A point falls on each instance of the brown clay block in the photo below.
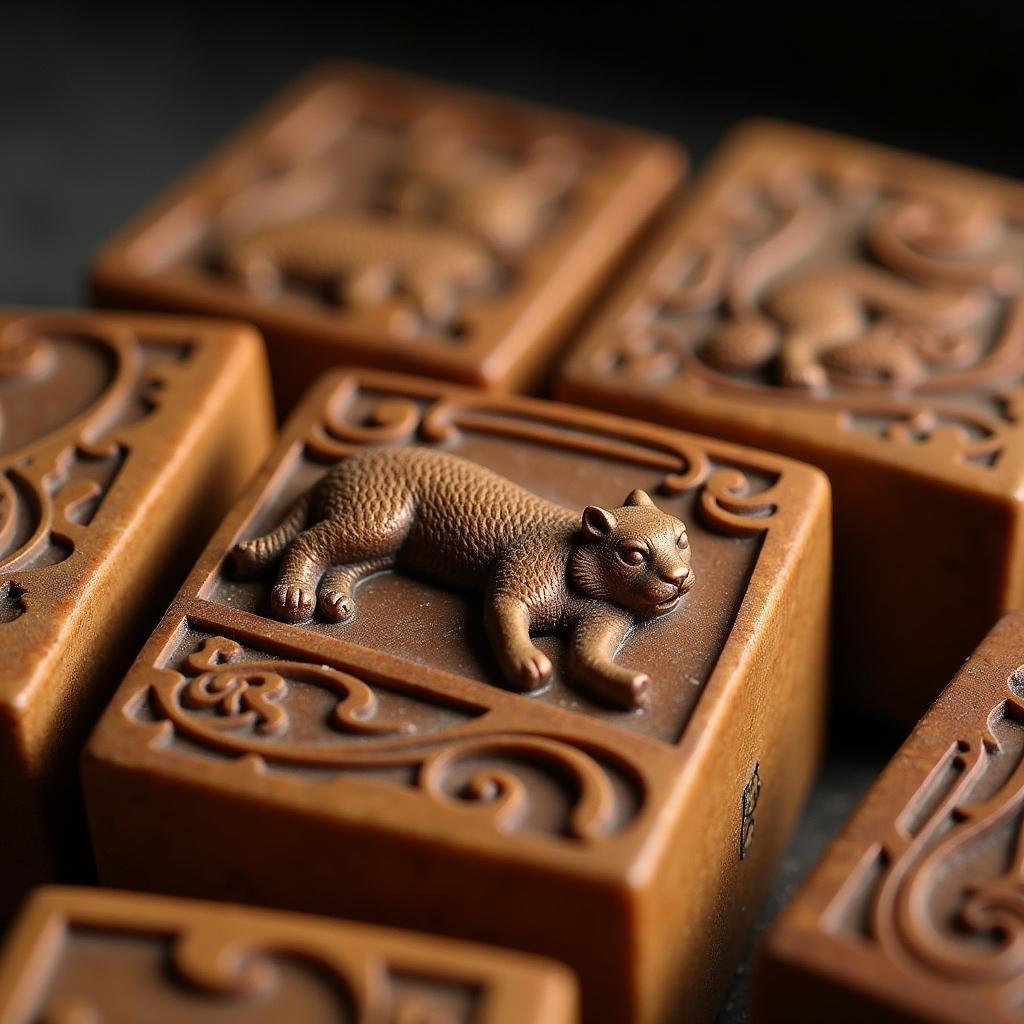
(123, 440)
(378, 219)
(860, 309)
(82, 955)
(415, 764)
(914, 914)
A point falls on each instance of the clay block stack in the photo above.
(454, 666)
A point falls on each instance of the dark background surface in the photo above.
(103, 106)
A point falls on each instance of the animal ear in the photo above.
(597, 522)
(639, 497)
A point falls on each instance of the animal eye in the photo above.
(631, 556)
(682, 542)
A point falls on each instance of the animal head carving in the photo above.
(636, 556)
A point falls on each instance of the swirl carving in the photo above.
(730, 501)
(878, 302)
(205, 961)
(237, 705)
(52, 482)
(248, 694)
(950, 901)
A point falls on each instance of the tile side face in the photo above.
(915, 908)
(396, 737)
(370, 218)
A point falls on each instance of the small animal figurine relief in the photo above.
(839, 286)
(827, 338)
(365, 261)
(541, 568)
(431, 224)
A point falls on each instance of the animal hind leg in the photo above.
(256, 272)
(250, 556)
(800, 366)
(368, 286)
(341, 541)
(434, 297)
(335, 595)
(294, 594)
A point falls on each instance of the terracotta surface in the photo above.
(381, 768)
(377, 219)
(122, 442)
(914, 914)
(862, 310)
(81, 955)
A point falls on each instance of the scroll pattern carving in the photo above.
(949, 900)
(531, 777)
(51, 485)
(206, 962)
(730, 501)
(881, 302)
(237, 705)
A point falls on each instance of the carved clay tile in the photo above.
(916, 912)
(860, 309)
(123, 439)
(352, 739)
(371, 218)
(85, 956)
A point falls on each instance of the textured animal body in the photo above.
(828, 316)
(854, 325)
(541, 567)
(366, 260)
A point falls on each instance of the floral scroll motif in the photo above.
(246, 969)
(879, 303)
(730, 500)
(51, 484)
(236, 705)
(950, 898)
(204, 962)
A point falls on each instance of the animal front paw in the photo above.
(260, 276)
(336, 606)
(531, 669)
(807, 376)
(291, 603)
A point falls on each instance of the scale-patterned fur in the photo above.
(540, 567)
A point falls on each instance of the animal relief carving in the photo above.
(799, 281)
(827, 336)
(365, 261)
(433, 220)
(541, 568)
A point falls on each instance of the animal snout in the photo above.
(679, 576)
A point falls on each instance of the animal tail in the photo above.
(250, 556)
